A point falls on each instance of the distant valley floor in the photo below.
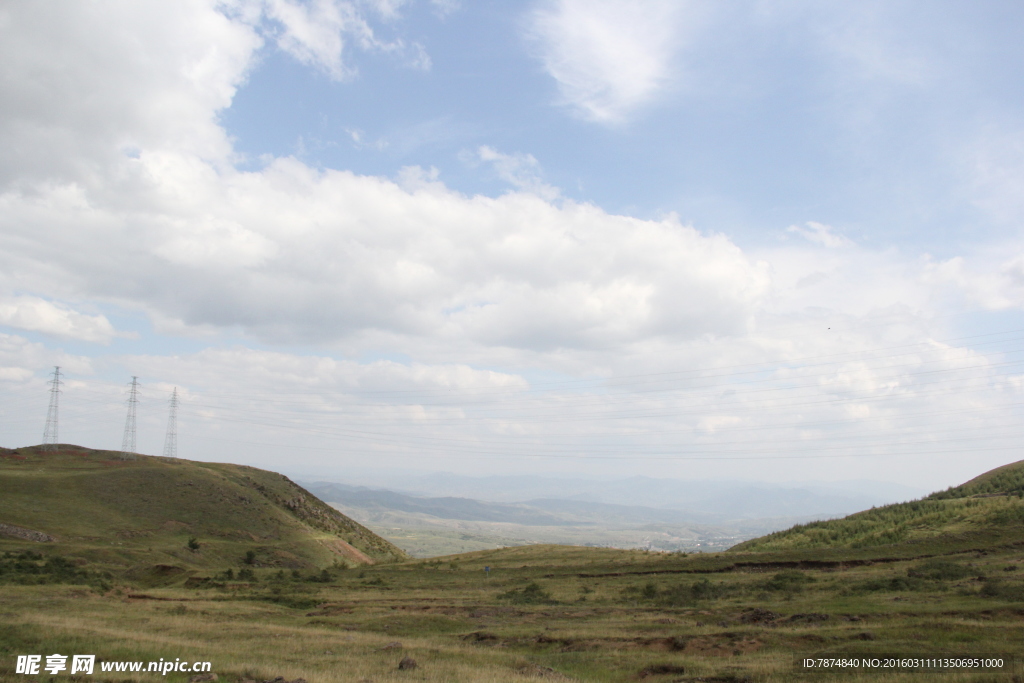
(424, 536)
(432, 527)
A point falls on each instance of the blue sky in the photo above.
(770, 240)
(763, 119)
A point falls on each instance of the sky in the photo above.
(768, 240)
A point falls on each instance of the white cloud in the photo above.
(819, 233)
(329, 255)
(83, 83)
(316, 32)
(29, 362)
(520, 170)
(609, 56)
(991, 281)
(38, 315)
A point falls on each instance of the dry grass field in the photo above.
(540, 613)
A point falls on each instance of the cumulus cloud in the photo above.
(609, 56)
(325, 255)
(83, 84)
(38, 315)
(28, 363)
(292, 253)
(994, 281)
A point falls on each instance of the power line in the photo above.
(128, 449)
(50, 437)
(171, 438)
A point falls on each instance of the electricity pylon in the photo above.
(171, 439)
(128, 450)
(50, 431)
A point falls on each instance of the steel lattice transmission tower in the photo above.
(128, 450)
(50, 431)
(171, 439)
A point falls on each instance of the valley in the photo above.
(280, 605)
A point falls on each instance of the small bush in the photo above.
(530, 594)
(1004, 591)
(896, 583)
(31, 568)
(193, 543)
(682, 594)
(293, 601)
(941, 570)
(789, 581)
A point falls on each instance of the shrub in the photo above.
(1002, 590)
(28, 568)
(789, 581)
(940, 570)
(530, 594)
(896, 583)
(682, 594)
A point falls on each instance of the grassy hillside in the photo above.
(988, 510)
(128, 515)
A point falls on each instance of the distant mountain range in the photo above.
(693, 516)
(552, 501)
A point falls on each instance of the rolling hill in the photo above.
(151, 511)
(984, 512)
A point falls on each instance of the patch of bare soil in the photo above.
(340, 547)
(538, 671)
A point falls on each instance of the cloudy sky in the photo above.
(767, 240)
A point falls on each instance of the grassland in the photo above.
(988, 510)
(543, 613)
(133, 515)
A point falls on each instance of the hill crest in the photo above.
(167, 510)
(987, 510)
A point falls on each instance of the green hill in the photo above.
(170, 516)
(988, 510)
